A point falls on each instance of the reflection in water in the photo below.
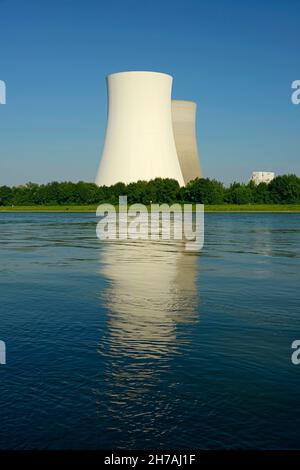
(150, 295)
(151, 288)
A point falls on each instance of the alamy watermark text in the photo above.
(295, 97)
(2, 92)
(157, 222)
(2, 353)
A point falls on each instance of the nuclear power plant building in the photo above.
(147, 135)
(184, 128)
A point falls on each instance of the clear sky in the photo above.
(237, 59)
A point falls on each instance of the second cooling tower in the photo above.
(139, 142)
(184, 127)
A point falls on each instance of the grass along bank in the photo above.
(208, 208)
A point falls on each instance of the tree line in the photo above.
(283, 189)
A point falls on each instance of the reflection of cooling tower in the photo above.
(151, 289)
(184, 127)
(139, 142)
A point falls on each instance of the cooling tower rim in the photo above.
(137, 72)
(184, 101)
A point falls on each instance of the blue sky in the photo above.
(236, 59)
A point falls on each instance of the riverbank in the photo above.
(208, 208)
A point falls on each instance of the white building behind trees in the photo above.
(262, 177)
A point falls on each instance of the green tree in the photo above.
(205, 191)
(5, 195)
(240, 193)
(85, 193)
(285, 189)
(163, 190)
(138, 193)
(261, 194)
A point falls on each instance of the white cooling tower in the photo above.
(184, 127)
(139, 142)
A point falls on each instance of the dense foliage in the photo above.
(282, 190)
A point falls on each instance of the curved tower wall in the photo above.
(139, 142)
(184, 127)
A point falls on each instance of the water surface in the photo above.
(143, 345)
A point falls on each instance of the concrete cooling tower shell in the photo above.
(184, 127)
(139, 142)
